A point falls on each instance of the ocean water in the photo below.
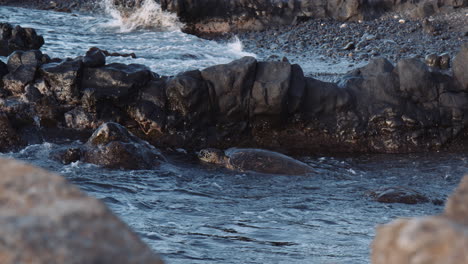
(191, 212)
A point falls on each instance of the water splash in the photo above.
(148, 15)
(236, 47)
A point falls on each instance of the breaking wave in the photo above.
(147, 15)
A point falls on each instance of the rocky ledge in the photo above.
(433, 239)
(45, 219)
(380, 107)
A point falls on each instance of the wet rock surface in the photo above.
(432, 239)
(380, 107)
(112, 146)
(46, 219)
(398, 194)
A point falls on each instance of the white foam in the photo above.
(237, 48)
(147, 16)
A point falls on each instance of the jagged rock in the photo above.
(115, 80)
(45, 219)
(112, 146)
(398, 194)
(229, 87)
(460, 67)
(18, 38)
(22, 67)
(63, 79)
(270, 89)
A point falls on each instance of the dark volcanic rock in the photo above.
(63, 79)
(115, 80)
(44, 219)
(270, 89)
(80, 119)
(9, 138)
(398, 194)
(94, 58)
(22, 67)
(18, 38)
(188, 97)
(66, 156)
(296, 89)
(230, 86)
(415, 81)
(112, 146)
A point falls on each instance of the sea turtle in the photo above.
(258, 160)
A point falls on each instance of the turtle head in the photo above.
(211, 155)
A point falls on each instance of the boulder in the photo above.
(22, 67)
(115, 80)
(460, 67)
(112, 146)
(229, 87)
(18, 38)
(270, 90)
(94, 58)
(188, 97)
(63, 79)
(45, 219)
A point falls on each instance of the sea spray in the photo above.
(148, 15)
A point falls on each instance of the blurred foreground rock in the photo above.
(428, 240)
(44, 219)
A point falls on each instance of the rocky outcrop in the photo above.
(112, 146)
(433, 239)
(14, 38)
(380, 107)
(44, 219)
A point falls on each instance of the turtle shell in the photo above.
(265, 161)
